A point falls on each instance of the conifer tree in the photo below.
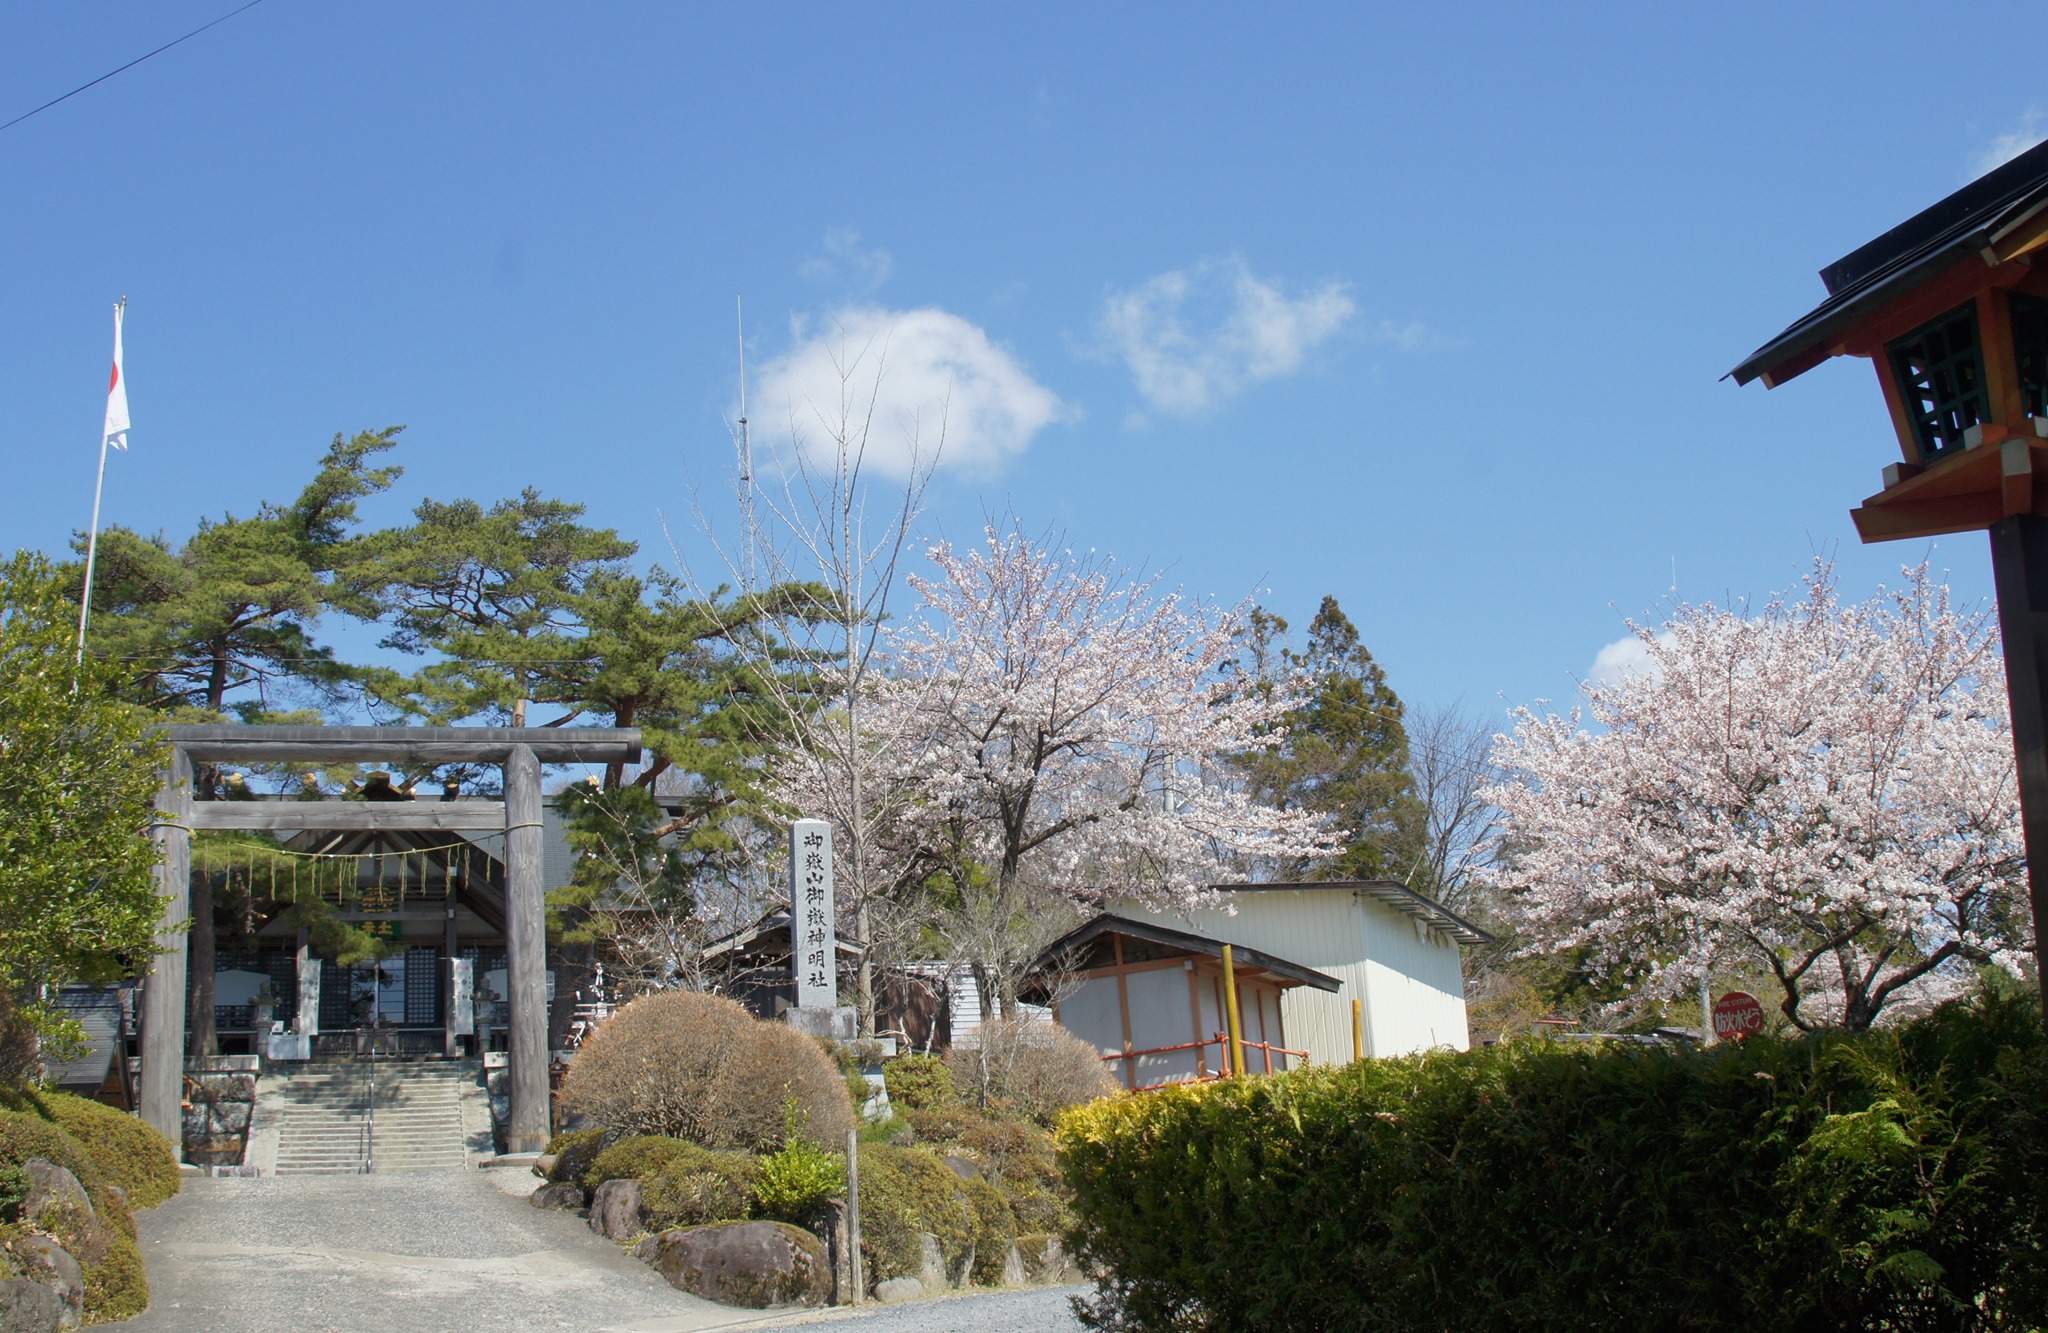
(1345, 755)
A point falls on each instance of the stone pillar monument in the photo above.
(813, 935)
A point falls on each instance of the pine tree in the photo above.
(1346, 751)
(223, 622)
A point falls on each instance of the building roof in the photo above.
(763, 936)
(1391, 892)
(1972, 221)
(1110, 924)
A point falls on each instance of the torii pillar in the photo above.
(162, 1094)
(525, 954)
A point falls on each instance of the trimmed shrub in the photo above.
(699, 1067)
(918, 1083)
(642, 1157)
(1029, 1067)
(701, 1186)
(128, 1152)
(995, 1226)
(573, 1153)
(796, 1179)
(1889, 1181)
(104, 1242)
(904, 1191)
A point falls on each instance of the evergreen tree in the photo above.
(224, 621)
(1346, 751)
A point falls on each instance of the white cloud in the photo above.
(901, 381)
(845, 261)
(1195, 337)
(1623, 659)
(2033, 128)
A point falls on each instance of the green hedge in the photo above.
(103, 1148)
(1894, 1181)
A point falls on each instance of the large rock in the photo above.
(896, 1290)
(618, 1211)
(50, 1264)
(565, 1196)
(756, 1264)
(1046, 1261)
(51, 1187)
(931, 1262)
(962, 1167)
(1013, 1267)
(27, 1306)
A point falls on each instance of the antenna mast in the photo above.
(745, 442)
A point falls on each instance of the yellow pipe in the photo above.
(1358, 1029)
(1230, 1007)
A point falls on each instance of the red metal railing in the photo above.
(1222, 1043)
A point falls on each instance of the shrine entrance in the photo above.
(467, 927)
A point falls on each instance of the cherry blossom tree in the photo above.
(1066, 727)
(1821, 793)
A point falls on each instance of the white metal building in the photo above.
(1386, 945)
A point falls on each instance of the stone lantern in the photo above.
(1951, 308)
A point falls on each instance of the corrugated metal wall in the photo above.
(1411, 982)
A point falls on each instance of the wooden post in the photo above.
(860, 1284)
(2019, 565)
(163, 995)
(1230, 1009)
(1357, 1029)
(525, 954)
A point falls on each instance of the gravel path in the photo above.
(414, 1253)
(1044, 1311)
(457, 1252)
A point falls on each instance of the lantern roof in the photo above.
(1980, 219)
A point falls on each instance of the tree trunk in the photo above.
(205, 1036)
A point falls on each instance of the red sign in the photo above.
(1737, 1015)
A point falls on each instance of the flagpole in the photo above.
(92, 540)
(92, 550)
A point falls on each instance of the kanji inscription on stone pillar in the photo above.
(812, 943)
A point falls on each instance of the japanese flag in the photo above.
(116, 432)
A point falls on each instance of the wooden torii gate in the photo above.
(520, 750)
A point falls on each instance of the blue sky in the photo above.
(1423, 306)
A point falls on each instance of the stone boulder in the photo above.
(45, 1261)
(931, 1262)
(27, 1306)
(756, 1264)
(618, 1211)
(962, 1167)
(1046, 1261)
(51, 1187)
(1013, 1268)
(896, 1290)
(563, 1196)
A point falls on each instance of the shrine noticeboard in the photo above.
(812, 946)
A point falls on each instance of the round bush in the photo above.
(918, 1083)
(1030, 1067)
(128, 1152)
(699, 1067)
(642, 1157)
(794, 1181)
(701, 1186)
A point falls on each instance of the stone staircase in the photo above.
(329, 1125)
